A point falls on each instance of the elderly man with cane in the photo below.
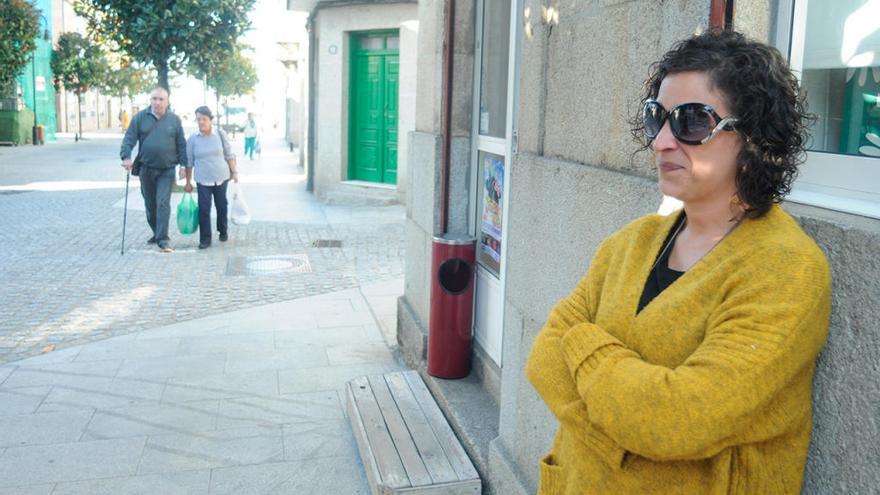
(161, 145)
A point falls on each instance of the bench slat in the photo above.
(427, 443)
(380, 448)
(458, 458)
(406, 449)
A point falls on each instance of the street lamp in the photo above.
(46, 37)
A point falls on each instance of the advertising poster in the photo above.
(490, 224)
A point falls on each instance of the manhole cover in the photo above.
(327, 243)
(268, 265)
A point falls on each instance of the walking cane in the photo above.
(125, 212)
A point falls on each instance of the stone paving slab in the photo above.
(28, 490)
(334, 377)
(105, 394)
(303, 356)
(153, 419)
(93, 373)
(329, 336)
(330, 475)
(74, 461)
(23, 400)
(222, 448)
(317, 439)
(221, 386)
(279, 410)
(185, 483)
(43, 428)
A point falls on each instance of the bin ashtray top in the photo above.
(455, 239)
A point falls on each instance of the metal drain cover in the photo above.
(268, 265)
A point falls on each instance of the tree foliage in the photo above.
(126, 80)
(78, 64)
(234, 76)
(19, 28)
(168, 34)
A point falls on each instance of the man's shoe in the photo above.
(151, 240)
(165, 247)
(204, 245)
(224, 237)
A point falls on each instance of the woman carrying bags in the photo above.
(209, 153)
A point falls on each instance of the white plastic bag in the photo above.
(239, 213)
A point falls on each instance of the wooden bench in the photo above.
(406, 445)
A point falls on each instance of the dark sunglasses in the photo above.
(690, 123)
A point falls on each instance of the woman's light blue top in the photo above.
(208, 156)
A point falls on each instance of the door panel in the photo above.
(392, 76)
(368, 119)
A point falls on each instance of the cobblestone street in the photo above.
(64, 281)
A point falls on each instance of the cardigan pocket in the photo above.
(552, 480)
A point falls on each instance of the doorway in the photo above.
(493, 138)
(373, 115)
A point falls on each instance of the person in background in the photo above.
(123, 119)
(162, 146)
(682, 363)
(250, 136)
(211, 160)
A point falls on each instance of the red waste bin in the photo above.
(452, 306)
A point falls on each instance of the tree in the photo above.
(126, 80)
(167, 33)
(235, 75)
(19, 28)
(78, 66)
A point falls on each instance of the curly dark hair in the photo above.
(759, 88)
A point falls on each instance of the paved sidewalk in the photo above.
(62, 269)
(215, 371)
(244, 402)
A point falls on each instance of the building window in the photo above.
(834, 46)
(493, 70)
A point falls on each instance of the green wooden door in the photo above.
(373, 108)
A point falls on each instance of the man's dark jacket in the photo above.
(165, 147)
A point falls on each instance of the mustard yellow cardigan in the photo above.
(708, 389)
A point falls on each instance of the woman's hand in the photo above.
(234, 176)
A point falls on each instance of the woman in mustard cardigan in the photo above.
(682, 363)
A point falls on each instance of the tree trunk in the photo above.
(162, 70)
(218, 108)
(79, 116)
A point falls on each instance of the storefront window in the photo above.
(834, 47)
(841, 75)
(493, 70)
(491, 187)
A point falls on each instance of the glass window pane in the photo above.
(841, 76)
(371, 43)
(489, 202)
(493, 70)
(393, 42)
